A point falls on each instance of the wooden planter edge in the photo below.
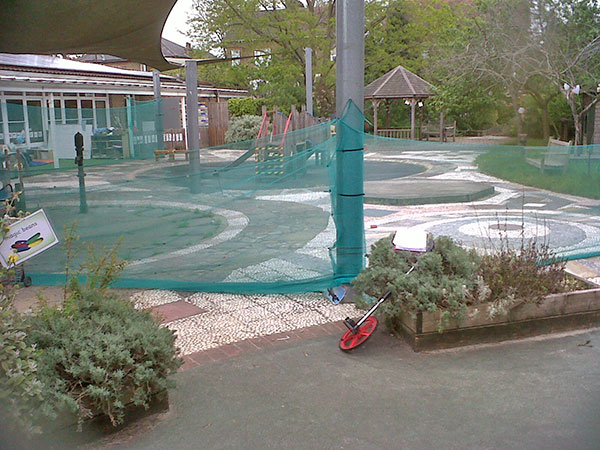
(558, 313)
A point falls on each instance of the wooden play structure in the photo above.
(280, 147)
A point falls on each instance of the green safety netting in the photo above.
(277, 214)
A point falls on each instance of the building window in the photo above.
(16, 121)
(71, 111)
(235, 53)
(58, 112)
(34, 116)
(87, 112)
(259, 59)
(101, 114)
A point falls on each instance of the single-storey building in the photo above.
(38, 92)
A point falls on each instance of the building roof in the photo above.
(115, 27)
(170, 50)
(398, 83)
(53, 74)
(53, 63)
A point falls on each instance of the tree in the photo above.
(498, 51)
(286, 27)
(569, 36)
(542, 94)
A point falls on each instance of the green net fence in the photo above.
(284, 213)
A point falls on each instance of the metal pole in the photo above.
(79, 160)
(350, 139)
(130, 121)
(309, 80)
(158, 121)
(193, 128)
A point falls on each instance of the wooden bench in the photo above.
(430, 130)
(551, 160)
(433, 130)
(170, 153)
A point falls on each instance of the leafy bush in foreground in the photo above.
(441, 281)
(20, 388)
(98, 354)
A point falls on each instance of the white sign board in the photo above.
(411, 240)
(27, 238)
(62, 140)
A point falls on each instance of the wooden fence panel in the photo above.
(218, 122)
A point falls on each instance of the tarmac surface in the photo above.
(532, 394)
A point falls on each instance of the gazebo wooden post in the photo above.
(375, 106)
(442, 126)
(413, 105)
(421, 122)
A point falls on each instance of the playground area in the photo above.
(237, 230)
(248, 231)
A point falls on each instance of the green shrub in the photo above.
(440, 280)
(248, 106)
(98, 354)
(20, 388)
(243, 128)
(449, 279)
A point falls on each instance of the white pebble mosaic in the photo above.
(229, 318)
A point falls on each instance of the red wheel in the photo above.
(350, 340)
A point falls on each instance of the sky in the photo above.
(176, 22)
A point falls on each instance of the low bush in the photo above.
(441, 280)
(98, 355)
(449, 278)
(20, 387)
(243, 128)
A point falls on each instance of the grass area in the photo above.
(509, 164)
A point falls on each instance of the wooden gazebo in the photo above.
(399, 84)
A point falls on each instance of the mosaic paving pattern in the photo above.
(515, 213)
(228, 318)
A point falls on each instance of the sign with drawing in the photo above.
(27, 238)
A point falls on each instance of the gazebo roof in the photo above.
(398, 83)
(116, 27)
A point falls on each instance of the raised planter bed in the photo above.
(557, 313)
